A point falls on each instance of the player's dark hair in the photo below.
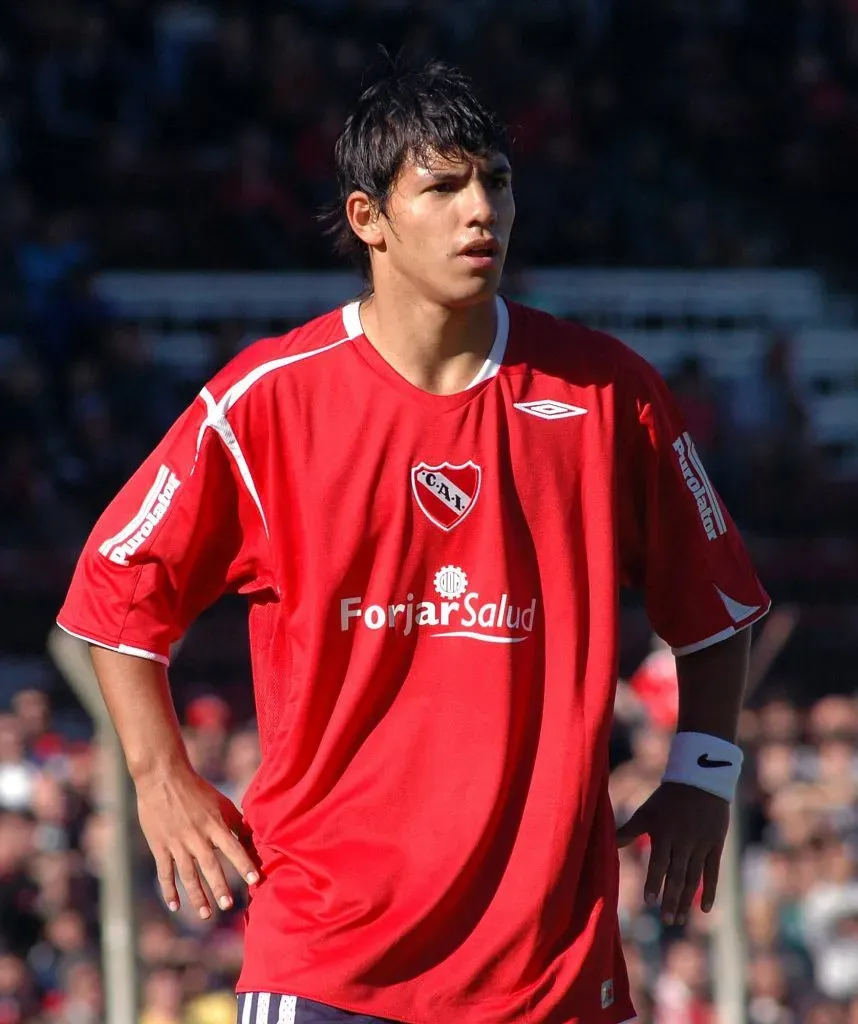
(407, 114)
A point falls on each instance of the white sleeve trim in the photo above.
(216, 419)
(716, 638)
(135, 652)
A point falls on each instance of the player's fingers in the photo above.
(692, 881)
(212, 872)
(167, 878)
(711, 870)
(190, 879)
(236, 854)
(659, 861)
(233, 817)
(674, 883)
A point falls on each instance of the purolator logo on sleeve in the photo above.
(462, 613)
(697, 481)
(121, 548)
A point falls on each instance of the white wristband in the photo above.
(706, 762)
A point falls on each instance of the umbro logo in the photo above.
(548, 409)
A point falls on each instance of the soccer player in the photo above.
(430, 499)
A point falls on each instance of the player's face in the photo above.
(447, 228)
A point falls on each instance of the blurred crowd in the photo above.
(198, 133)
(798, 826)
(798, 829)
(79, 413)
(56, 833)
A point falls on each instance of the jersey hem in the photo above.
(135, 652)
(363, 1011)
(724, 634)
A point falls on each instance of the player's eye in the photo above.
(499, 182)
(442, 186)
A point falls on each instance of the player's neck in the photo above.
(436, 349)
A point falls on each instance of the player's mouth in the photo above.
(481, 253)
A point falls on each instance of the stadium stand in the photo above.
(155, 154)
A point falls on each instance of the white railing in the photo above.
(724, 316)
(621, 297)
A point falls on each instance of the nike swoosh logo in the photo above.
(705, 762)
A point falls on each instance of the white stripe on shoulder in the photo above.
(216, 419)
(242, 386)
(217, 410)
(262, 1007)
(248, 1004)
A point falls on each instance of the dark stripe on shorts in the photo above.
(265, 1008)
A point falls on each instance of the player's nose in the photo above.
(482, 205)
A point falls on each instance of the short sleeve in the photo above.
(678, 542)
(179, 534)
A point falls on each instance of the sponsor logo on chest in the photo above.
(462, 613)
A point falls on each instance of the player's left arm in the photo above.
(679, 544)
(688, 825)
(712, 687)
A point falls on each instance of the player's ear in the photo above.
(364, 217)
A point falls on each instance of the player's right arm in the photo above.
(183, 817)
(182, 531)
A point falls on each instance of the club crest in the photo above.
(446, 493)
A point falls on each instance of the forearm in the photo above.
(712, 687)
(137, 694)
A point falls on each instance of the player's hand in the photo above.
(687, 828)
(186, 821)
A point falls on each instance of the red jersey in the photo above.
(433, 587)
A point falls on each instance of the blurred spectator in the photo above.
(800, 911)
(263, 218)
(194, 134)
(768, 991)
(654, 683)
(18, 1000)
(162, 997)
(46, 261)
(32, 713)
(242, 760)
(663, 155)
(82, 1000)
(830, 916)
(18, 893)
(681, 995)
(769, 443)
(17, 775)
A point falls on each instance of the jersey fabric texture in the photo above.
(433, 613)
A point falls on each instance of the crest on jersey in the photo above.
(446, 493)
